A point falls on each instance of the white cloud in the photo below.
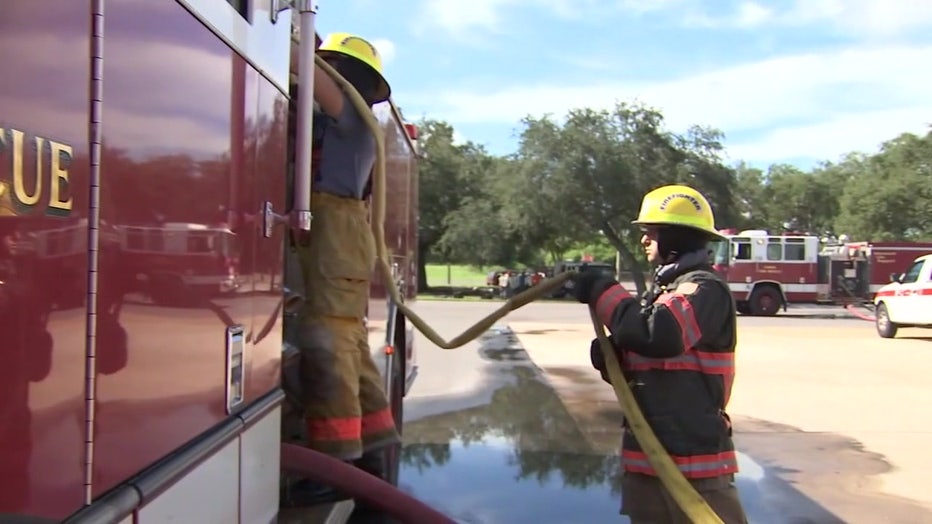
(648, 6)
(458, 138)
(884, 17)
(463, 19)
(832, 138)
(865, 18)
(386, 48)
(752, 13)
(868, 18)
(856, 97)
(459, 18)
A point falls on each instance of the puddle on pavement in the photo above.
(491, 481)
(500, 344)
(522, 458)
(518, 459)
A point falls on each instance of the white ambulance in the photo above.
(907, 300)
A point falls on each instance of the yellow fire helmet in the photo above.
(353, 46)
(677, 205)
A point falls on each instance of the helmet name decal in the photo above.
(346, 43)
(693, 200)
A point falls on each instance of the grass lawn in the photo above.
(465, 276)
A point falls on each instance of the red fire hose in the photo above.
(859, 314)
(360, 485)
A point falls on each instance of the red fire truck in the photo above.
(174, 262)
(767, 272)
(149, 142)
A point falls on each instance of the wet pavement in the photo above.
(518, 458)
(492, 436)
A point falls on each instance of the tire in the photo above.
(765, 301)
(743, 308)
(169, 291)
(885, 327)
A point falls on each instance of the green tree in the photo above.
(800, 201)
(601, 163)
(439, 190)
(890, 197)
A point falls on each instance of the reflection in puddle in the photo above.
(519, 458)
(490, 482)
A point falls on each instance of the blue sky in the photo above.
(787, 80)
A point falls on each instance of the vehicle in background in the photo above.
(160, 170)
(767, 272)
(174, 263)
(907, 300)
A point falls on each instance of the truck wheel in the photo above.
(743, 308)
(169, 291)
(765, 301)
(885, 328)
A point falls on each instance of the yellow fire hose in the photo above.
(686, 497)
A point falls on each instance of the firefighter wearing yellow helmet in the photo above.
(346, 412)
(676, 346)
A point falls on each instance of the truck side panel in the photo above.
(181, 125)
(270, 134)
(893, 257)
(43, 261)
(400, 232)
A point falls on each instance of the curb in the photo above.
(830, 316)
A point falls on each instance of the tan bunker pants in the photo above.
(345, 407)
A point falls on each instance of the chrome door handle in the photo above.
(300, 220)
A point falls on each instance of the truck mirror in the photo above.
(896, 277)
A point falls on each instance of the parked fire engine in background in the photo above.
(767, 272)
(143, 215)
(175, 262)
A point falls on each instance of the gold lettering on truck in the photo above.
(19, 172)
(58, 175)
(57, 156)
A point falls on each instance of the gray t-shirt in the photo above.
(347, 153)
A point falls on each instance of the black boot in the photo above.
(304, 493)
(372, 463)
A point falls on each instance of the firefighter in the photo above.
(676, 345)
(346, 412)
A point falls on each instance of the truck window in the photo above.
(774, 249)
(742, 250)
(719, 249)
(912, 274)
(794, 252)
(199, 243)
